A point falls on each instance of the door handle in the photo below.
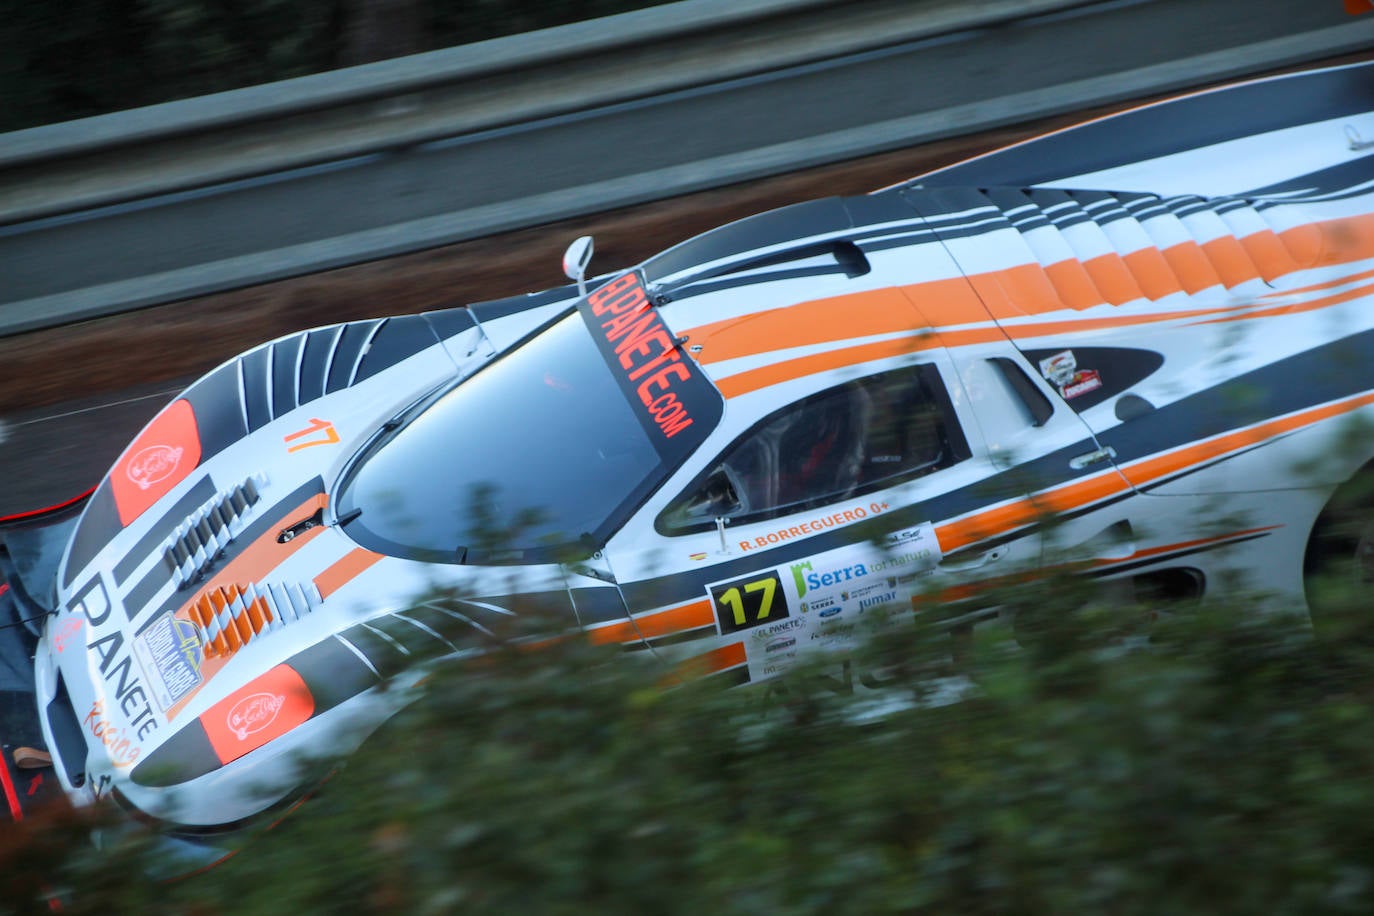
(962, 561)
(1107, 453)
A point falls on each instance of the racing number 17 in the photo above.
(732, 599)
(749, 602)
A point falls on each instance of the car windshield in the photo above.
(538, 454)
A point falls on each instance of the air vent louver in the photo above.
(231, 616)
(192, 548)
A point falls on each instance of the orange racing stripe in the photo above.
(352, 565)
(659, 623)
(1190, 266)
(1183, 545)
(710, 662)
(1113, 279)
(1229, 258)
(1267, 252)
(1012, 293)
(787, 370)
(1318, 287)
(864, 314)
(1018, 513)
(1151, 269)
(1148, 470)
(988, 523)
(965, 590)
(1296, 307)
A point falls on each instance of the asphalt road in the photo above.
(51, 454)
(59, 255)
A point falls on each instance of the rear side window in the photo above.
(861, 436)
(1087, 376)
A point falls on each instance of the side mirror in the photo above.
(575, 261)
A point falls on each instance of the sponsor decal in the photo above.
(836, 576)
(818, 604)
(639, 347)
(171, 655)
(774, 669)
(909, 538)
(252, 716)
(65, 631)
(1081, 383)
(876, 600)
(253, 713)
(749, 602)
(833, 520)
(774, 629)
(116, 662)
(153, 464)
(904, 559)
(864, 591)
(1059, 369)
(1062, 371)
(778, 645)
(325, 432)
(833, 633)
(162, 456)
(121, 748)
(830, 612)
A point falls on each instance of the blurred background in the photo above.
(91, 57)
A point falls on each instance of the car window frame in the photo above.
(936, 385)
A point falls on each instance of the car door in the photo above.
(1028, 399)
(833, 510)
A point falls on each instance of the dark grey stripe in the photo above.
(385, 656)
(191, 500)
(598, 605)
(181, 758)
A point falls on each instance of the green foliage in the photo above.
(1217, 761)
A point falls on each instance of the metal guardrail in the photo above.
(394, 104)
(706, 68)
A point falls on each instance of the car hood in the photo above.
(203, 563)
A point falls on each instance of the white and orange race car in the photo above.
(1157, 327)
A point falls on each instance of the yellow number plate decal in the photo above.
(749, 602)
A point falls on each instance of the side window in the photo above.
(1087, 376)
(860, 436)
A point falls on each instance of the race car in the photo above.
(1154, 329)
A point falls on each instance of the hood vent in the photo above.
(193, 547)
(231, 616)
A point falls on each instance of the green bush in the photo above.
(1217, 762)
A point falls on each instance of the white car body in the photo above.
(1144, 326)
